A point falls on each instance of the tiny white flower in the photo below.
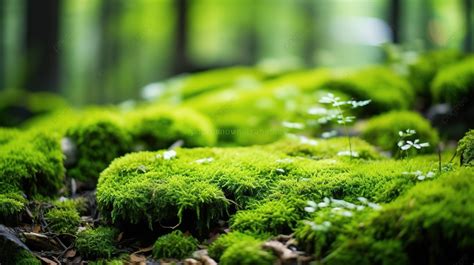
(362, 199)
(346, 213)
(360, 207)
(312, 204)
(204, 160)
(317, 111)
(308, 141)
(293, 125)
(374, 206)
(323, 204)
(167, 155)
(329, 134)
(281, 170)
(430, 174)
(348, 153)
(309, 209)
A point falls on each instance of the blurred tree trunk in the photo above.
(468, 39)
(42, 38)
(181, 61)
(109, 52)
(394, 9)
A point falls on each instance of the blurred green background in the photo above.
(98, 51)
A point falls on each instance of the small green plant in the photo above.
(174, 245)
(404, 144)
(338, 114)
(223, 242)
(97, 243)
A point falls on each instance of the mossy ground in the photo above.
(174, 178)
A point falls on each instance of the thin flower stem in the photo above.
(346, 130)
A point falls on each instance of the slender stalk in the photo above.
(346, 130)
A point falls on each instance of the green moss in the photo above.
(7, 135)
(387, 90)
(158, 127)
(272, 216)
(63, 221)
(423, 70)
(78, 204)
(97, 243)
(323, 149)
(33, 162)
(383, 130)
(454, 82)
(428, 223)
(247, 252)
(187, 86)
(98, 138)
(16, 106)
(174, 245)
(246, 116)
(223, 242)
(466, 149)
(12, 203)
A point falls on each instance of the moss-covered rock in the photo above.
(63, 220)
(174, 245)
(97, 243)
(33, 162)
(98, 138)
(247, 252)
(466, 149)
(383, 131)
(386, 90)
(158, 127)
(454, 83)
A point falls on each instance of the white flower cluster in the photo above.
(167, 155)
(420, 175)
(407, 144)
(339, 207)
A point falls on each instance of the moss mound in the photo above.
(174, 245)
(386, 89)
(428, 223)
(12, 203)
(223, 242)
(158, 127)
(247, 252)
(98, 139)
(246, 116)
(7, 135)
(97, 243)
(454, 82)
(16, 106)
(423, 70)
(383, 130)
(32, 162)
(466, 149)
(63, 220)
(188, 86)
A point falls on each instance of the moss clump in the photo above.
(247, 252)
(98, 138)
(158, 127)
(174, 245)
(423, 70)
(63, 221)
(12, 203)
(97, 243)
(32, 162)
(273, 217)
(383, 130)
(387, 90)
(223, 242)
(454, 82)
(466, 149)
(428, 223)
(16, 106)
(253, 115)
(7, 135)
(187, 86)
